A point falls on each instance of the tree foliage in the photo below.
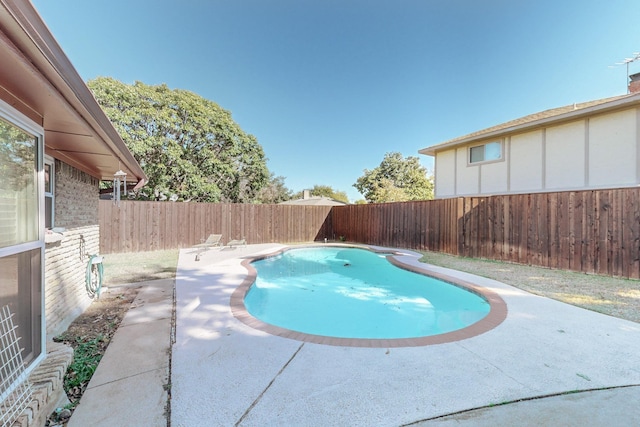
(189, 147)
(274, 192)
(18, 151)
(396, 179)
(325, 191)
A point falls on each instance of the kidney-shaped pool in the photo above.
(358, 297)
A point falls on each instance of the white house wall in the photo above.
(467, 177)
(595, 152)
(445, 171)
(526, 162)
(612, 149)
(565, 154)
(493, 176)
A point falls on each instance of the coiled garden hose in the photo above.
(94, 284)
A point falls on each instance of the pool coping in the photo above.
(497, 307)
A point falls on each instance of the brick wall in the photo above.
(76, 209)
(76, 197)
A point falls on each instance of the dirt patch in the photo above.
(104, 314)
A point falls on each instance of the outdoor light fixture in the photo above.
(119, 178)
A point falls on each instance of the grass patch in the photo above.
(86, 356)
(139, 266)
(608, 295)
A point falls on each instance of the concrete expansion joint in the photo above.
(526, 399)
(144, 322)
(137, 374)
(255, 402)
(497, 367)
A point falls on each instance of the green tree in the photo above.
(189, 147)
(396, 179)
(18, 151)
(274, 192)
(325, 191)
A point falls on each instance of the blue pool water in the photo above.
(356, 293)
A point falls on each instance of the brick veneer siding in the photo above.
(76, 209)
(76, 197)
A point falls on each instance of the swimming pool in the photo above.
(356, 295)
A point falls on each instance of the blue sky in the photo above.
(328, 87)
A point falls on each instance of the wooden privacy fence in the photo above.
(589, 231)
(430, 225)
(148, 226)
(596, 231)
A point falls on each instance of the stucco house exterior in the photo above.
(56, 145)
(589, 145)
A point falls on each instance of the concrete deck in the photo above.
(225, 373)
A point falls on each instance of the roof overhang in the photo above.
(38, 80)
(530, 123)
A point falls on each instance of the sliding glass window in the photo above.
(21, 238)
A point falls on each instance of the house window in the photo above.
(49, 186)
(21, 233)
(20, 290)
(488, 152)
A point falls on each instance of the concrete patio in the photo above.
(225, 373)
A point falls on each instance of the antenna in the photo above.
(627, 61)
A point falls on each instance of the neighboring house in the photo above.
(589, 145)
(56, 145)
(309, 200)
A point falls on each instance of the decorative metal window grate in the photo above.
(15, 390)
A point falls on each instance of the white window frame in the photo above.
(50, 161)
(13, 116)
(484, 145)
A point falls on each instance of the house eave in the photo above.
(39, 80)
(616, 104)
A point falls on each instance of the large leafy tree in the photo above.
(396, 179)
(17, 158)
(325, 191)
(189, 147)
(274, 192)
